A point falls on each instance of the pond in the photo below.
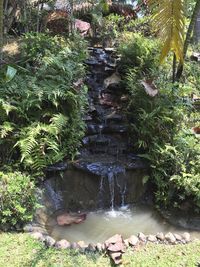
(102, 224)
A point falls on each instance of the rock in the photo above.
(113, 79)
(38, 236)
(49, 241)
(114, 239)
(142, 237)
(68, 218)
(82, 26)
(118, 246)
(74, 245)
(82, 244)
(152, 238)
(126, 242)
(178, 237)
(116, 257)
(99, 247)
(91, 247)
(160, 236)
(133, 240)
(62, 244)
(186, 237)
(170, 238)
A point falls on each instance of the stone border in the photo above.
(116, 245)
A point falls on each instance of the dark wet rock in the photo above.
(38, 236)
(49, 241)
(186, 236)
(62, 244)
(142, 237)
(61, 166)
(160, 236)
(170, 238)
(133, 240)
(152, 238)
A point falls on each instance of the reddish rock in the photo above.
(133, 240)
(114, 239)
(118, 246)
(116, 257)
(170, 238)
(82, 26)
(68, 219)
(142, 237)
(160, 236)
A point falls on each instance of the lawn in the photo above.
(20, 250)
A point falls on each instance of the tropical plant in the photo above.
(169, 19)
(17, 199)
(41, 114)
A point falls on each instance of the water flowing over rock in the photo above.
(106, 173)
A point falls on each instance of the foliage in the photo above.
(138, 52)
(162, 130)
(41, 114)
(17, 200)
(168, 19)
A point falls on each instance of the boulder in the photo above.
(70, 218)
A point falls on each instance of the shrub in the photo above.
(17, 199)
(138, 52)
(41, 108)
(162, 129)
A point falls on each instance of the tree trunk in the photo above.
(1, 29)
(197, 28)
(188, 38)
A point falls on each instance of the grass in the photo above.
(20, 250)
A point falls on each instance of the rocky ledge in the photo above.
(115, 246)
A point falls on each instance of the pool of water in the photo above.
(102, 224)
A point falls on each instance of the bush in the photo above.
(41, 108)
(138, 52)
(17, 199)
(161, 126)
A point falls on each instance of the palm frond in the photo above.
(168, 18)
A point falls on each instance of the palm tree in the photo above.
(168, 18)
(1, 28)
